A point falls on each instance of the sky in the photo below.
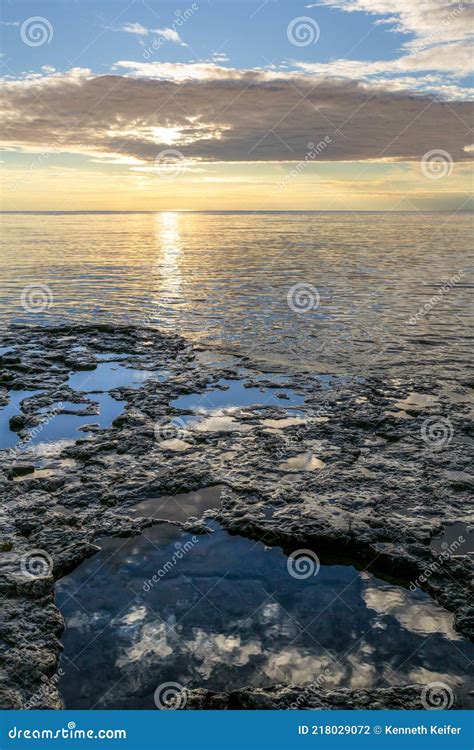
(236, 105)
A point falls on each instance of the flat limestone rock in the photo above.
(292, 697)
(383, 487)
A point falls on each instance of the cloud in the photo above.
(431, 70)
(166, 71)
(219, 57)
(168, 34)
(441, 41)
(218, 114)
(455, 57)
(426, 20)
(134, 28)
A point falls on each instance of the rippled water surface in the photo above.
(224, 278)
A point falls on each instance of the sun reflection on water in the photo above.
(167, 267)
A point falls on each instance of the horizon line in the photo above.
(241, 211)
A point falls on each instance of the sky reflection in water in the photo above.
(228, 614)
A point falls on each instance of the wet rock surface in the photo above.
(292, 697)
(386, 472)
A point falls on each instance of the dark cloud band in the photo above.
(244, 117)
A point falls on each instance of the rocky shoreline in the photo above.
(293, 697)
(364, 475)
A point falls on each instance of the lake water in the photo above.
(227, 279)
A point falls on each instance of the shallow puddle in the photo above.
(26, 472)
(8, 438)
(222, 612)
(182, 506)
(216, 423)
(69, 426)
(278, 424)
(70, 423)
(233, 394)
(416, 401)
(175, 444)
(58, 427)
(33, 474)
(108, 375)
(302, 462)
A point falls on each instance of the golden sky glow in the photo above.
(234, 110)
(324, 186)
